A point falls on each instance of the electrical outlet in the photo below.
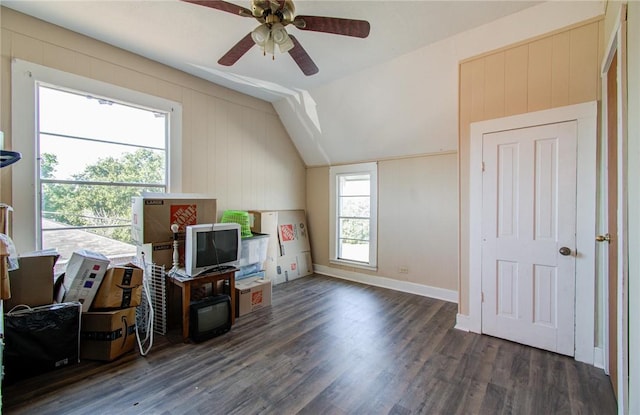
(403, 270)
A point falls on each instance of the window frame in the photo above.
(335, 172)
(26, 77)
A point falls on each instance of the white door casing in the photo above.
(585, 115)
(528, 215)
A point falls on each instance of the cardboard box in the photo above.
(161, 253)
(153, 216)
(292, 232)
(252, 294)
(106, 335)
(121, 287)
(84, 273)
(291, 267)
(32, 283)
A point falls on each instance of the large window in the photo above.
(87, 148)
(354, 214)
(95, 154)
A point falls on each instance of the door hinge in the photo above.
(482, 296)
(483, 166)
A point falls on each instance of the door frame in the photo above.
(586, 116)
(617, 47)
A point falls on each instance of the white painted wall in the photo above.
(409, 105)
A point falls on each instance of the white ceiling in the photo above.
(192, 38)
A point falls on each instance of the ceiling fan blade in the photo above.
(224, 6)
(237, 51)
(302, 58)
(335, 25)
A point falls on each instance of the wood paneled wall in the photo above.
(555, 70)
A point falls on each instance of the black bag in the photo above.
(41, 339)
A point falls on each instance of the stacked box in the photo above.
(253, 255)
(106, 335)
(32, 282)
(289, 251)
(160, 253)
(121, 287)
(252, 294)
(84, 273)
(153, 216)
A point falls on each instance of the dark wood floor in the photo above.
(327, 346)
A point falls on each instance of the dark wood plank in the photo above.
(326, 346)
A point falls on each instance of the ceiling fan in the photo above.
(274, 16)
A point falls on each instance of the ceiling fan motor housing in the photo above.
(273, 11)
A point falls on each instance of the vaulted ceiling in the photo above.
(361, 105)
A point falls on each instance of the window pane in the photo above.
(355, 206)
(355, 185)
(99, 161)
(356, 229)
(353, 250)
(66, 241)
(89, 205)
(83, 116)
(91, 140)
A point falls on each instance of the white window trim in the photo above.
(372, 170)
(25, 77)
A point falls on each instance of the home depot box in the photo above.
(291, 267)
(292, 232)
(161, 253)
(252, 294)
(153, 216)
(84, 273)
(106, 335)
(32, 283)
(121, 287)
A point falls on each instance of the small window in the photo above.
(354, 214)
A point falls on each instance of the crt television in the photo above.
(209, 317)
(211, 248)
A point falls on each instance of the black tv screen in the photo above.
(216, 247)
(210, 317)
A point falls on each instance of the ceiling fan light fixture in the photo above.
(281, 38)
(269, 46)
(260, 35)
(286, 46)
(278, 33)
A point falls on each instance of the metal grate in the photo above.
(155, 277)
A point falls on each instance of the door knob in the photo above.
(603, 238)
(564, 251)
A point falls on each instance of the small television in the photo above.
(209, 317)
(212, 248)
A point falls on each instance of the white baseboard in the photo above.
(390, 283)
(598, 357)
(462, 322)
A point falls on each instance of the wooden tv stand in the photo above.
(185, 284)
